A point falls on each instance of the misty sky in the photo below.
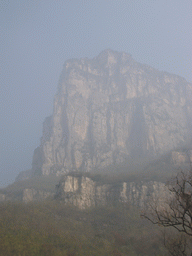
(37, 36)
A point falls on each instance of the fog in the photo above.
(38, 36)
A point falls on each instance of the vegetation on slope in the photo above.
(51, 228)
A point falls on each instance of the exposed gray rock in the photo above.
(2, 197)
(27, 195)
(83, 192)
(30, 194)
(109, 109)
(181, 157)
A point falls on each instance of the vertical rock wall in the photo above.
(83, 192)
(109, 109)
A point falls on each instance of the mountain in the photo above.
(109, 110)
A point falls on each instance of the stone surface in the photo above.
(179, 157)
(27, 195)
(30, 194)
(109, 109)
(84, 192)
(2, 197)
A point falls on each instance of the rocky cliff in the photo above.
(84, 192)
(110, 109)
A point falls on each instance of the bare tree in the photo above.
(176, 244)
(176, 212)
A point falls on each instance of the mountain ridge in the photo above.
(111, 109)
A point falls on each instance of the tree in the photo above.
(176, 244)
(175, 212)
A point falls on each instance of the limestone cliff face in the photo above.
(179, 158)
(110, 108)
(84, 192)
(30, 194)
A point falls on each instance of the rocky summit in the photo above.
(110, 109)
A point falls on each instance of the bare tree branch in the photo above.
(176, 212)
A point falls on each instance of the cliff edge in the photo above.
(111, 109)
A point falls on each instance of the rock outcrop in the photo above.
(84, 192)
(2, 197)
(27, 195)
(110, 109)
(181, 157)
(30, 194)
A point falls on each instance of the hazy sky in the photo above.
(37, 36)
